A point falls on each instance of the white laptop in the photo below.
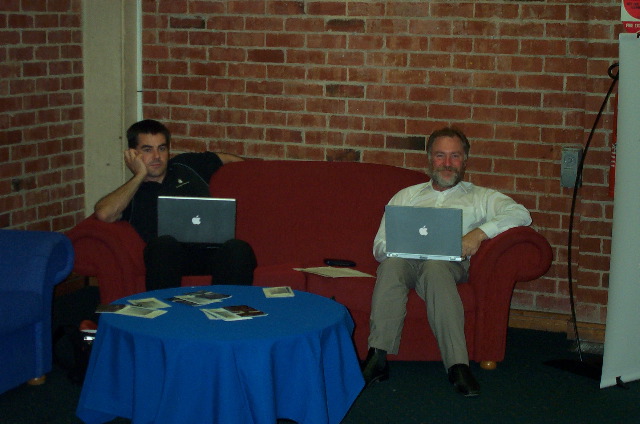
(197, 219)
(424, 233)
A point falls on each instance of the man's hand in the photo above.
(134, 162)
(471, 241)
(228, 157)
(110, 207)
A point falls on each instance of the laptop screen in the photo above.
(197, 219)
(424, 233)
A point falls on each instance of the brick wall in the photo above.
(367, 81)
(341, 80)
(41, 176)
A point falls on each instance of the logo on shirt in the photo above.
(423, 231)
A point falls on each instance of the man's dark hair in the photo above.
(449, 132)
(146, 126)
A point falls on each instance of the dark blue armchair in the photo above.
(31, 264)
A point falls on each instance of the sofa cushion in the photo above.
(19, 309)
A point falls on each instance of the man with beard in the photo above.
(486, 213)
(136, 201)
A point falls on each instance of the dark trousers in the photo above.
(168, 260)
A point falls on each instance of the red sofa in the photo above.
(296, 213)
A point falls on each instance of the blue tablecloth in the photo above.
(298, 362)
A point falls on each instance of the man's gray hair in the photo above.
(449, 132)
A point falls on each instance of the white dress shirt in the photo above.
(484, 208)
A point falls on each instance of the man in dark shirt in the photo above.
(136, 201)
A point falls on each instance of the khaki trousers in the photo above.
(435, 282)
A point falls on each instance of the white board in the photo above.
(622, 338)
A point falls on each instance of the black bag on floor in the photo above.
(71, 352)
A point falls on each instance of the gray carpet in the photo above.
(521, 390)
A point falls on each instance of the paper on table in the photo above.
(134, 311)
(334, 272)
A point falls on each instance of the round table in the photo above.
(298, 362)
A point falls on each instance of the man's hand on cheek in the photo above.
(134, 162)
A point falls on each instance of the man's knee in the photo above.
(395, 273)
(161, 246)
(238, 251)
(437, 268)
(393, 266)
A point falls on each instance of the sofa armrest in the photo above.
(518, 254)
(111, 252)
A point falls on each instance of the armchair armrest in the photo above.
(518, 254)
(34, 260)
(111, 252)
(31, 264)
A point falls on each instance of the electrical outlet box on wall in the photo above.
(569, 162)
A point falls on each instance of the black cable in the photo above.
(576, 187)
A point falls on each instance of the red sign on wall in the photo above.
(630, 15)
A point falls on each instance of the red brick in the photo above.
(247, 70)
(264, 24)
(367, 140)
(365, 107)
(346, 122)
(267, 55)
(384, 157)
(387, 26)
(336, 73)
(302, 89)
(326, 8)
(298, 152)
(285, 7)
(365, 9)
(228, 116)
(246, 6)
(400, 42)
(192, 22)
(282, 135)
(340, 90)
(206, 38)
(406, 77)
(269, 118)
(400, 109)
(386, 59)
(325, 105)
(449, 112)
(305, 56)
(387, 125)
(365, 42)
(287, 40)
(288, 104)
(246, 102)
(225, 23)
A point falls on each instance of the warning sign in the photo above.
(630, 15)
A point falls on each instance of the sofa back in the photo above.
(301, 212)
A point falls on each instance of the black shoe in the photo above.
(375, 368)
(460, 376)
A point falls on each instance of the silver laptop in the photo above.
(197, 219)
(424, 233)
